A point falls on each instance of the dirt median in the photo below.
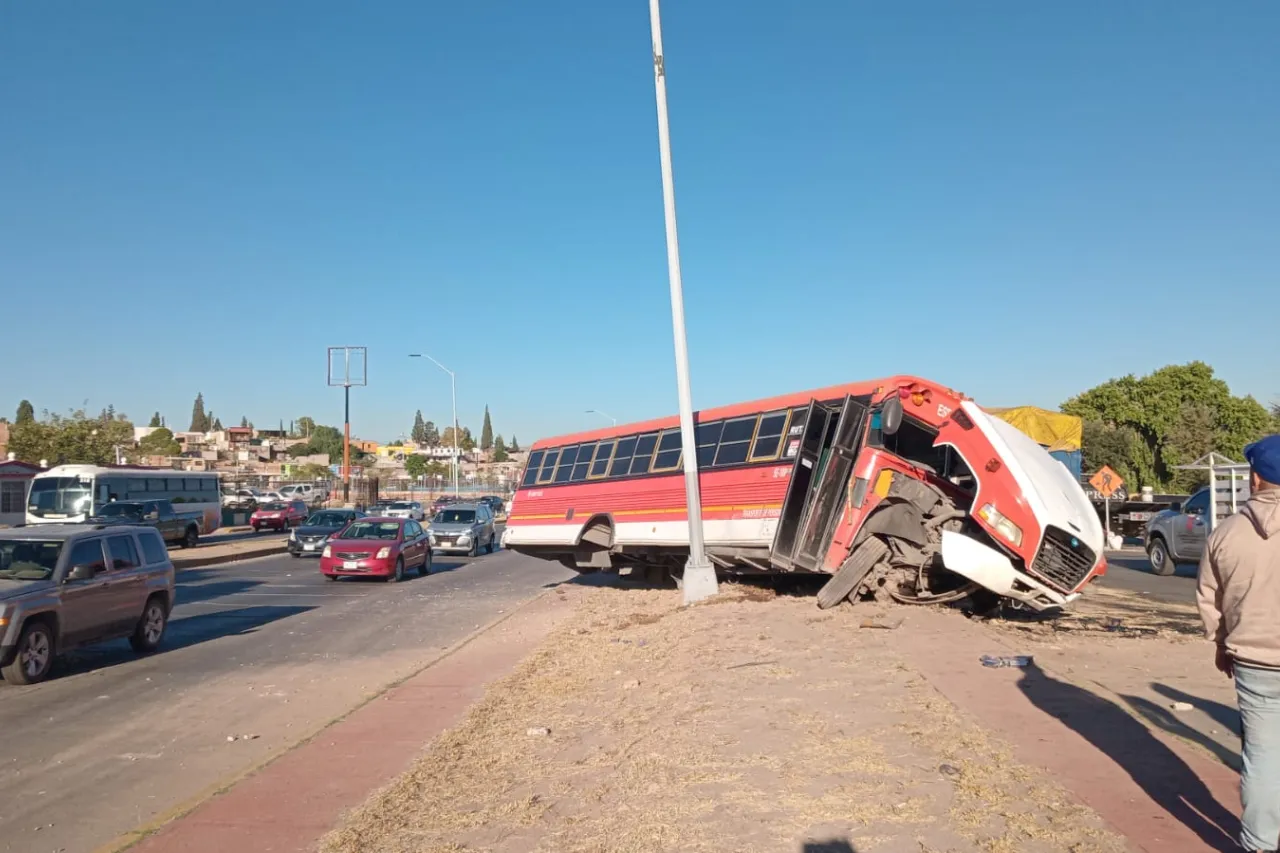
(747, 723)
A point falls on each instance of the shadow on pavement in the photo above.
(1166, 720)
(1165, 778)
(1140, 563)
(838, 845)
(195, 593)
(181, 633)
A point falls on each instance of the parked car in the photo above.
(463, 529)
(494, 503)
(1179, 533)
(64, 586)
(278, 515)
(442, 502)
(271, 497)
(240, 498)
(314, 533)
(305, 492)
(377, 547)
(405, 509)
(182, 528)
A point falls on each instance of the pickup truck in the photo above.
(1179, 533)
(182, 528)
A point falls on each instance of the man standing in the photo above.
(1239, 599)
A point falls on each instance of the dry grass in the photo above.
(1105, 612)
(753, 726)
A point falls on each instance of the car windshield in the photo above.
(372, 530)
(28, 560)
(402, 505)
(328, 519)
(58, 497)
(274, 507)
(456, 516)
(120, 509)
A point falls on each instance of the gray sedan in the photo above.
(463, 529)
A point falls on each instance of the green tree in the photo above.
(486, 431)
(465, 441)
(199, 418)
(430, 435)
(26, 412)
(70, 439)
(156, 421)
(306, 426)
(159, 442)
(1154, 411)
(416, 465)
(515, 445)
(419, 431)
(500, 450)
(312, 471)
(244, 420)
(216, 426)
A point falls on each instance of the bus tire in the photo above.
(852, 573)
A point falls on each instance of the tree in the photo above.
(515, 445)
(416, 465)
(217, 426)
(244, 420)
(26, 413)
(419, 431)
(1153, 410)
(70, 439)
(1192, 436)
(156, 421)
(306, 426)
(312, 471)
(499, 450)
(465, 441)
(160, 442)
(430, 435)
(199, 419)
(486, 431)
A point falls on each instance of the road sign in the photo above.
(1106, 481)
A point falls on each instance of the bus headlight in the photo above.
(1001, 525)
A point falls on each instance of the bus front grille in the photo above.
(1064, 561)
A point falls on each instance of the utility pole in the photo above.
(453, 390)
(347, 366)
(603, 415)
(699, 579)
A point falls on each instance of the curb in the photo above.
(263, 549)
(137, 835)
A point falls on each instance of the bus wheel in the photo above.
(852, 572)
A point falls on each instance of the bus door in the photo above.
(815, 494)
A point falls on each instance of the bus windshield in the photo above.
(59, 497)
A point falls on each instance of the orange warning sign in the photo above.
(1106, 481)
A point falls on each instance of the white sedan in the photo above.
(405, 509)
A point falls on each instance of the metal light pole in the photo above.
(699, 575)
(346, 378)
(453, 389)
(603, 415)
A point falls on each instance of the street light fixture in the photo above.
(699, 579)
(603, 415)
(453, 388)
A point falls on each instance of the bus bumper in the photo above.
(989, 568)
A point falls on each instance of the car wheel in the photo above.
(331, 577)
(191, 539)
(34, 657)
(150, 630)
(475, 548)
(426, 564)
(1161, 562)
(399, 575)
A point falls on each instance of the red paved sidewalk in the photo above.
(293, 801)
(1152, 789)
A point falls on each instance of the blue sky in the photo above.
(1019, 200)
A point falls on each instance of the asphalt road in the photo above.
(1131, 570)
(264, 648)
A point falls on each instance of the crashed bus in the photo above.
(897, 489)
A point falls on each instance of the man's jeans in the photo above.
(1258, 694)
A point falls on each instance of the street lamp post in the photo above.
(453, 389)
(603, 415)
(699, 580)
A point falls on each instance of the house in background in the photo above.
(15, 479)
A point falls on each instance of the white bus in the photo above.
(71, 493)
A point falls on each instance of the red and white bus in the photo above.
(897, 488)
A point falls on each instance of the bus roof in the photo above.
(76, 470)
(872, 387)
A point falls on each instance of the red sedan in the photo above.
(377, 547)
(278, 515)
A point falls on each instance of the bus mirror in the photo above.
(891, 416)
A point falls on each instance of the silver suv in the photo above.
(63, 586)
(463, 529)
